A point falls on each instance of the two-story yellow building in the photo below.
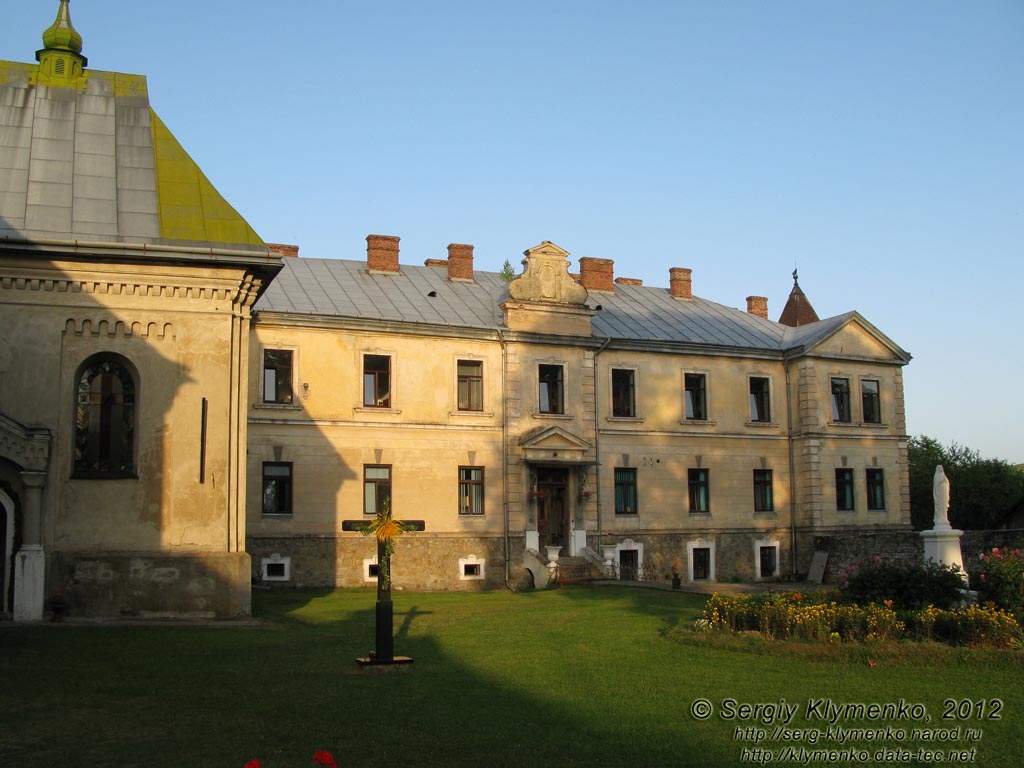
(577, 420)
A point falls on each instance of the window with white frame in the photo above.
(278, 376)
(623, 393)
(695, 389)
(841, 410)
(471, 490)
(871, 401)
(551, 388)
(760, 399)
(470, 385)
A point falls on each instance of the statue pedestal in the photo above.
(942, 545)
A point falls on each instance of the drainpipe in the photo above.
(792, 476)
(504, 456)
(597, 448)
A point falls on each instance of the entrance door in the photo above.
(552, 509)
(629, 564)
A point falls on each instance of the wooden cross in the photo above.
(384, 646)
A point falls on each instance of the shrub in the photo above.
(1002, 580)
(908, 586)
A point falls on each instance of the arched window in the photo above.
(105, 418)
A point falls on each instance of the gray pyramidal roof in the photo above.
(335, 288)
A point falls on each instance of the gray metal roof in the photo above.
(343, 288)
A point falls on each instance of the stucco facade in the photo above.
(614, 462)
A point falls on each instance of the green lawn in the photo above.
(571, 677)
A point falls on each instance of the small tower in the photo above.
(798, 310)
(60, 58)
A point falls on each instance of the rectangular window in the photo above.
(376, 381)
(876, 489)
(763, 501)
(623, 393)
(471, 490)
(376, 488)
(695, 385)
(277, 488)
(840, 399)
(552, 389)
(277, 376)
(625, 492)
(871, 402)
(760, 401)
(844, 489)
(471, 385)
(700, 502)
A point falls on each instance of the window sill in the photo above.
(104, 476)
(371, 409)
(562, 416)
(700, 514)
(765, 515)
(471, 515)
(276, 516)
(698, 423)
(637, 419)
(848, 424)
(762, 424)
(472, 414)
(282, 406)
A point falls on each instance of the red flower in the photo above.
(323, 757)
(252, 764)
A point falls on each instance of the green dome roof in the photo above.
(61, 34)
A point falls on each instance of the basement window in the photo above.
(471, 568)
(276, 568)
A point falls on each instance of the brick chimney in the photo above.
(758, 305)
(597, 274)
(284, 250)
(382, 253)
(460, 261)
(679, 282)
(628, 281)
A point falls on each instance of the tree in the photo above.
(982, 492)
(507, 272)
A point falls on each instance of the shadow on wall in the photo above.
(136, 397)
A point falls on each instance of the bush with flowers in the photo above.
(1002, 580)
(910, 586)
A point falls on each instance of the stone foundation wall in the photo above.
(846, 549)
(148, 585)
(419, 562)
(734, 553)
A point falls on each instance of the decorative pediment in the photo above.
(545, 299)
(28, 447)
(546, 279)
(553, 445)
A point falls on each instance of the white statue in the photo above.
(940, 495)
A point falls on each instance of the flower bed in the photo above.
(820, 617)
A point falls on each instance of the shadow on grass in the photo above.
(487, 687)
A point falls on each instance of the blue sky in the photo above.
(874, 145)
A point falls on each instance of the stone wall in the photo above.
(846, 549)
(419, 562)
(734, 553)
(148, 585)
